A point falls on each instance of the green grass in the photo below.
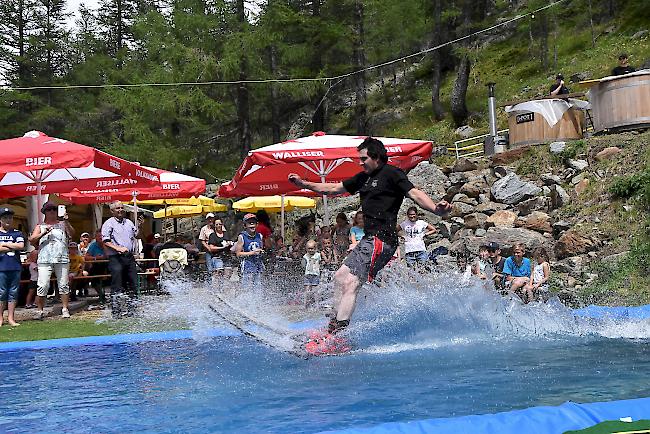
(54, 329)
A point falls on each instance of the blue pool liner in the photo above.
(614, 312)
(542, 420)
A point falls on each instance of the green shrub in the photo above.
(626, 187)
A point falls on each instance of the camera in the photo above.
(60, 212)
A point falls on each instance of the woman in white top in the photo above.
(540, 274)
(413, 230)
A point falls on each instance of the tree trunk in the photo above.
(120, 31)
(458, 106)
(320, 105)
(359, 63)
(275, 97)
(243, 105)
(436, 105)
(591, 25)
(543, 46)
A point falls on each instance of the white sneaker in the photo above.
(65, 313)
(39, 315)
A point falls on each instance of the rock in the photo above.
(571, 282)
(460, 209)
(465, 131)
(502, 219)
(557, 147)
(592, 255)
(568, 298)
(550, 179)
(475, 220)
(576, 179)
(500, 171)
(578, 165)
(463, 234)
(533, 204)
(640, 34)
(460, 197)
(560, 227)
(451, 192)
(445, 229)
(511, 190)
(609, 29)
(559, 197)
(480, 232)
(508, 156)
(580, 76)
(475, 187)
(546, 190)
(573, 266)
(458, 178)
(581, 187)
(615, 258)
(607, 153)
(571, 243)
(590, 278)
(490, 208)
(536, 221)
(464, 165)
(430, 179)
(507, 237)
(483, 198)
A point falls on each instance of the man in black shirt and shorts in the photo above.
(382, 188)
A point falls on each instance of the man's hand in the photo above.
(443, 207)
(295, 179)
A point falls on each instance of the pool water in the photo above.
(436, 348)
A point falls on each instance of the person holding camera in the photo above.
(52, 237)
(120, 242)
(558, 88)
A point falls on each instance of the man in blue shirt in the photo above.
(11, 243)
(517, 270)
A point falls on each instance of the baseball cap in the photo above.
(559, 77)
(492, 245)
(73, 244)
(250, 216)
(6, 211)
(209, 215)
(48, 206)
(85, 234)
(157, 235)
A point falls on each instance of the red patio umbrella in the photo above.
(318, 158)
(172, 186)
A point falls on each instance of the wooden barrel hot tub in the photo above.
(621, 103)
(529, 128)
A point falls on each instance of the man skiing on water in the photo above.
(382, 188)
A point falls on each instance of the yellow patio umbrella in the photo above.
(274, 204)
(180, 211)
(200, 200)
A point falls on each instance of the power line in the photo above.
(289, 80)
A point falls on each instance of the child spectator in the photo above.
(84, 243)
(311, 261)
(328, 254)
(538, 285)
(32, 259)
(414, 230)
(249, 248)
(517, 271)
(480, 266)
(12, 242)
(496, 264)
(356, 231)
(76, 270)
(463, 267)
(341, 235)
(279, 248)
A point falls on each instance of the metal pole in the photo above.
(282, 216)
(325, 205)
(492, 110)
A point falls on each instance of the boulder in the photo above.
(464, 165)
(578, 165)
(560, 227)
(451, 192)
(445, 229)
(557, 147)
(573, 265)
(568, 173)
(580, 76)
(465, 131)
(576, 179)
(490, 208)
(550, 179)
(460, 209)
(607, 153)
(536, 221)
(615, 258)
(480, 232)
(483, 198)
(463, 234)
(511, 190)
(430, 179)
(640, 34)
(460, 197)
(475, 187)
(582, 186)
(500, 171)
(507, 157)
(458, 178)
(571, 243)
(507, 237)
(533, 204)
(559, 197)
(475, 220)
(546, 190)
(501, 219)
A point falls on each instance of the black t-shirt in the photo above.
(563, 91)
(382, 193)
(620, 70)
(216, 240)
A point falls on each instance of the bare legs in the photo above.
(348, 285)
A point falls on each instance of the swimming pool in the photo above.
(460, 353)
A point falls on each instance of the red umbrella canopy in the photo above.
(318, 158)
(38, 162)
(172, 186)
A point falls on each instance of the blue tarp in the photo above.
(542, 420)
(615, 312)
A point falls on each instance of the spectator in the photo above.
(341, 235)
(356, 231)
(150, 245)
(304, 232)
(264, 228)
(84, 243)
(479, 268)
(463, 267)
(328, 254)
(496, 262)
(52, 238)
(119, 236)
(11, 243)
(219, 246)
(558, 88)
(76, 270)
(249, 248)
(279, 248)
(311, 261)
(538, 285)
(192, 251)
(623, 67)
(204, 236)
(517, 271)
(32, 260)
(96, 253)
(414, 231)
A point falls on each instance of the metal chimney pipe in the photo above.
(492, 110)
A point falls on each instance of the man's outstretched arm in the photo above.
(422, 199)
(318, 187)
